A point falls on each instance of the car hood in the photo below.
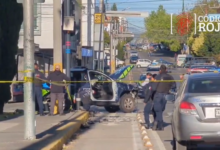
(122, 72)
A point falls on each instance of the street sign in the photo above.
(98, 18)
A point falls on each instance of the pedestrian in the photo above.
(57, 92)
(148, 100)
(147, 80)
(160, 89)
(39, 76)
(181, 76)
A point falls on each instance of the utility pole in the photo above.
(100, 36)
(112, 59)
(29, 101)
(57, 34)
(68, 44)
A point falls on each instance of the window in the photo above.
(140, 60)
(37, 20)
(211, 85)
(181, 59)
(98, 76)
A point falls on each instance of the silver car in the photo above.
(196, 116)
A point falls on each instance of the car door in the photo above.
(109, 86)
(147, 62)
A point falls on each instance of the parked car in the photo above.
(164, 62)
(105, 91)
(196, 114)
(143, 63)
(201, 68)
(134, 59)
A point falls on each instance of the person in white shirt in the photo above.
(147, 80)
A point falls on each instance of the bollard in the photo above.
(78, 103)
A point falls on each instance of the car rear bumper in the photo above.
(189, 126)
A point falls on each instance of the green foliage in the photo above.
(114, 7)
(11, 18)
(158, 29)
(129, 39)
(119, 47)
(106, 38)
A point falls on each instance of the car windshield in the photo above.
(203, 67)
(211, 85)
(134, 58)
(153, 69)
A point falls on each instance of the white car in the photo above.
(143, 63)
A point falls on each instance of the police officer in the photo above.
(149, 102)
(161, 89)
(39, 76)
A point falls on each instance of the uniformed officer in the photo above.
(161, 89)
(148, 102)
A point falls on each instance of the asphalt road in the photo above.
(162, 140)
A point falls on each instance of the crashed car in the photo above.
(99, 89)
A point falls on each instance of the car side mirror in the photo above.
(170, 97)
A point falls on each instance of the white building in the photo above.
(43, 35)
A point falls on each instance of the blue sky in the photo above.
(172, 6)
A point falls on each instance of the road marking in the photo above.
(158, 140)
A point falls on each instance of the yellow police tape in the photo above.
(61, 83)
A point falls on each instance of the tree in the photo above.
(106, 38)
(114, 7)
(11, 17)
(158, 29)
(119, 47)
(205, 44)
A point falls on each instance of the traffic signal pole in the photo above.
(29, 101)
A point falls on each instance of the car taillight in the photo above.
(187, 108)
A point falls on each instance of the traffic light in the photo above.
(35, 1)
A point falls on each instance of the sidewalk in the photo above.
(52, 132)
(115, 131)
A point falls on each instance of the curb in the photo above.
(67, 131)
(144, 135)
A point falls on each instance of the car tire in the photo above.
(127, 103)
(112, 109)
(179, 146)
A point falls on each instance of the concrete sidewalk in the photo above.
(52, 132)
(115, 131)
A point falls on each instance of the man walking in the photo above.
(39, 76)
(57, 92)
(161, 88)
(149, 103)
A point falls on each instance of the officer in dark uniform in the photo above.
(149, 102)
(161, 89)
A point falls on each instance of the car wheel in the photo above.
(179, 145)
(127, 103)
(112, 109)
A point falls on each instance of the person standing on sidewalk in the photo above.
(57, 92)
(39, 76)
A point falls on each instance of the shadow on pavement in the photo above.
(53, 134)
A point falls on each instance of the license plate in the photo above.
(217, 113)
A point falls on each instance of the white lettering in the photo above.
(218, 28)
(218, 19)
(208, 27)
(211, 19)
(199, 19)
(206, 19)
(202, 27)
